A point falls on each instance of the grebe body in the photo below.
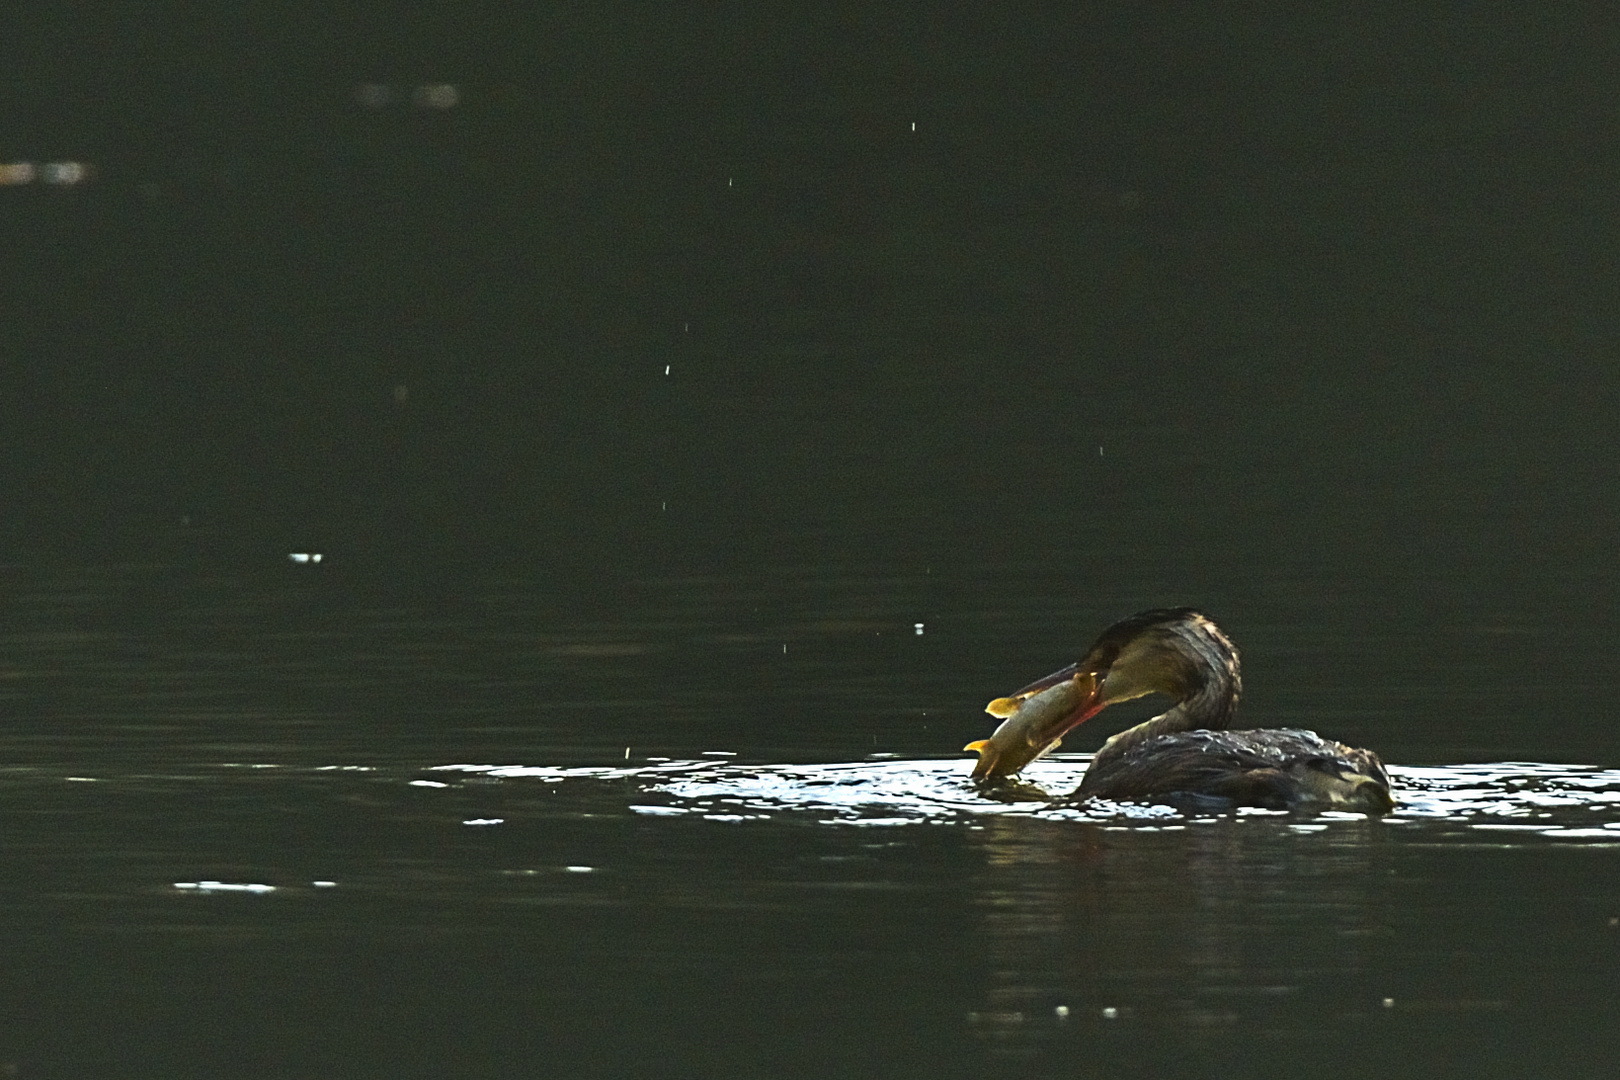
(1190, 750)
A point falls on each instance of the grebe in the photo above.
(1187, 750)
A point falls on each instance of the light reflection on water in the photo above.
(1218, 930)
(1036, 931)
(1105, 925)
(1505, 802)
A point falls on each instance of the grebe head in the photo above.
(1179, 652)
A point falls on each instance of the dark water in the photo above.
(258, 826)
(646, 382)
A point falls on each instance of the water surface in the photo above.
(270, 826)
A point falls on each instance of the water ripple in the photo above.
(1494, 803)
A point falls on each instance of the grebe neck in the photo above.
(1209, 684)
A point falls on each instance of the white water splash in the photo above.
(1500, 802)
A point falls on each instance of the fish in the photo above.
(1033, 723)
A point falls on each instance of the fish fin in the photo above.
(1002, 707)
(978, 746)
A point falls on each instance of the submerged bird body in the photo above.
(1188, 750)
(1277, 768)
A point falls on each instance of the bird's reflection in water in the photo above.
(1170, 936)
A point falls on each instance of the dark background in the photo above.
(1009, 319)
(1303, 314)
